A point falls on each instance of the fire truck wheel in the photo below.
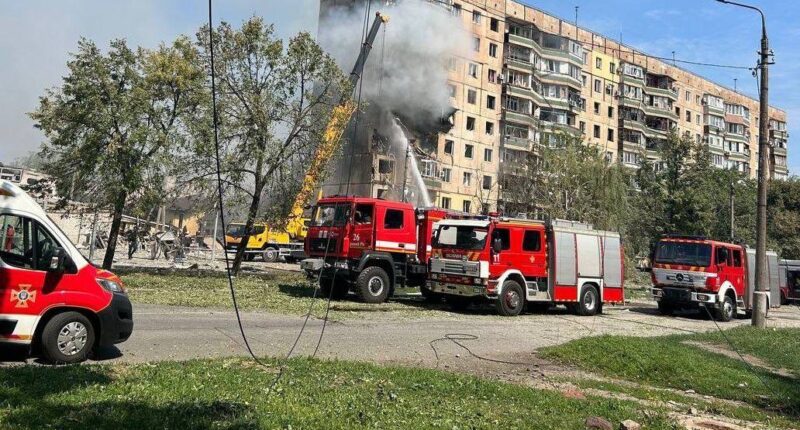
(665, 308)
(372, 285)
(589, 303)
(511, 301)
(334, 290)
(726, 311)
(67, 338)
(270, 255)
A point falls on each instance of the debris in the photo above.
(598, 423)
(692, 411)
(629, 425)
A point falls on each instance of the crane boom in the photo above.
(338, 121)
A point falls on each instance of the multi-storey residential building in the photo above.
(531, 77)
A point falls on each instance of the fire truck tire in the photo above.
(372, 285)
(726, 310)
(511, 301)
(334, 290)
(665, 308)
(270, 255)
(67, 338)
(589, 303)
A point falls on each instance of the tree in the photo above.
(114, 121)
(273, 104)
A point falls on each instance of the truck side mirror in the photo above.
(58, 261)
(497, 245)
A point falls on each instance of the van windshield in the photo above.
(460, 237)
(334, 214)
(688, 253)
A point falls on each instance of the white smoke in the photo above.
(407, 69)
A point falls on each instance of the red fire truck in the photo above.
(50, 295)
(692, 271)
(790, 281)
(367, 245)
(511, 262)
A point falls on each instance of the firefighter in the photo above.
(133, 240)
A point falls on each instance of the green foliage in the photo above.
(671, 362)
(235, 394)
(783, 217)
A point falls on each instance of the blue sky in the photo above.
(36, 36)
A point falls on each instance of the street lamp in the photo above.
(760, 296)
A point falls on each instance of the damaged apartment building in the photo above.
(525, 78)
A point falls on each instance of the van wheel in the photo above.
(270, 255)
(334, 290)
(511, 301)
(589, 303)
(67, 338)
(372, 285)
(726, 311)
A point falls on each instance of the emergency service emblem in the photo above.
(22, 296)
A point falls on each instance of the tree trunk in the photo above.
(251, 218)
(116, 222)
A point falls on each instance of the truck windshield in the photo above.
(460, 237)
(331, 215)
(691, 254)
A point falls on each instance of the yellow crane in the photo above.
(287, 241)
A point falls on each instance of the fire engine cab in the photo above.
(512, 262)
(692, 271)
(368, 245)
(50, 295)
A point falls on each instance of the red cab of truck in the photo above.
(514, 262)
(367, 245)
(693, 271)
(50, 295)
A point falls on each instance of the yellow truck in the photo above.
(270, 244)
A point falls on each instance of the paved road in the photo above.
(174, 333)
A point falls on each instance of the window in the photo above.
(466, 206)
(456, 9)
(467, 179)
(611, 134)
(468, 150)
(612, 68)
(493, 50)
(678, 112)
(609, 89)
(448, 147)
(487, 155)
(583, 80)
(532, 241)
(597, 108)
(697, 99)
(487, 182)
(697, 119)
(363, 214)
(492, 76)
(452, 63)
(504, 236)
(393, 219)
(493, 24)
(582, 126)
(598, 86)
(611, 112)
(688, 116)
(452, 89)
(385, 166)
(471, 96)
(598, 63)
(470, 123)
(26, 244)
(597, 131)
(476, 44)
(446, 174)
(490, 102)
(473, 70)
(489, 128)
(737, 258)
(445, 203)
(476, 17)
(430, 169)
(688, 96)
(630, 157)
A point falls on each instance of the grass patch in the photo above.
(278, 292)
(232, 393)
(668, 362)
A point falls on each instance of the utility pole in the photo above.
(761, 295)
(733, 210)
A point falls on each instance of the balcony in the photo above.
(522, 41)
(711, 129)
(519, 117)
(518, 64)
(521, 143)
(527, 93)
(666, 112)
